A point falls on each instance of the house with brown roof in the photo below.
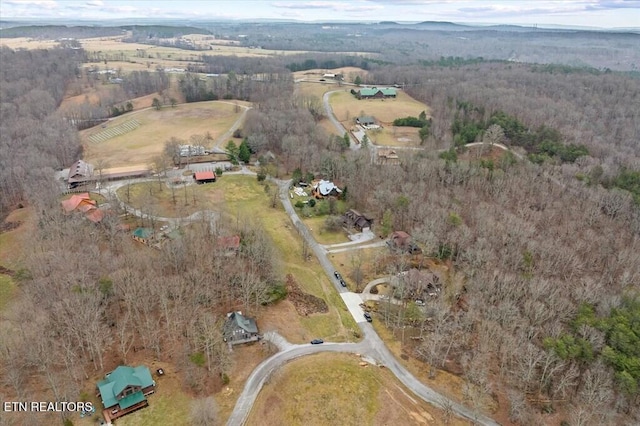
(354, 219)
(388, 156)
(80, 172)
(420, 284)
(401, 241)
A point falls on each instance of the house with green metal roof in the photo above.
(376, 93)
(143, 235)
(125, 389)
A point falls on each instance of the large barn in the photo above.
(377, 93)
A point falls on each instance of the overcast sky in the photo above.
(595, 13)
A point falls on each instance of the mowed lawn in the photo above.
(347, 107)
(327, 389)
(140, 145)
(164, 409)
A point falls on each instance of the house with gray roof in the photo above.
(240, 329)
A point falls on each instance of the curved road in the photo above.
(371, 345)
(332, 118)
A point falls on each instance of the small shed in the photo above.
(204, 177)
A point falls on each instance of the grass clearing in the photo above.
(12, 242)
(347, 107)
(7, 290)
(157, 198)
(306, 88)
(166, 407)
(140, 145)
(395, 136)
(335, 389)
(322, 236)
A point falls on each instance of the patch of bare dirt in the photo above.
(5, 271)
(8, 226)
(304, 303)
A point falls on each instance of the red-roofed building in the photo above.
(204, 177)
(84, 204)
(80, 202)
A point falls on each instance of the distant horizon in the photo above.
(194, 22)
(593, 14)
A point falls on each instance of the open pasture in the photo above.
(141, 144)
(347, 107)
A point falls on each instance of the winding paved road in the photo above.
(332, 118)
(372, 345)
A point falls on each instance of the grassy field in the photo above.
(7, 290)
(315, 224)
(139, 146)
(158, 198)
(140, 57)
(335, 389)
(163, 409)
(347, 107)
(395, 136)
(12, 242)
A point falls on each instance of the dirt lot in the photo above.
(156, 127)
(338, 389)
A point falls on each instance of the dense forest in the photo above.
(34, 139)
(546, 246)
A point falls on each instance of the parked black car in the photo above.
(337, 274)
(317, 342)
(342, 283)
(367, 316)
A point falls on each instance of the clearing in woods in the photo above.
(139, 145)
(340, 389)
